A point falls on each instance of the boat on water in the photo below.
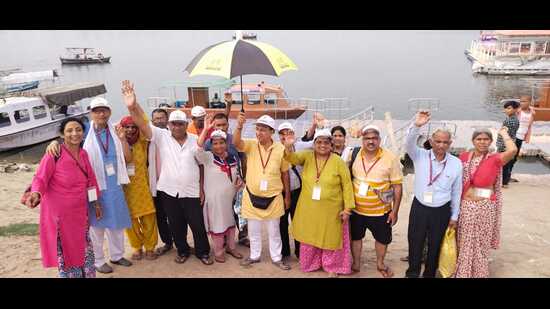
(83, 55)
(511, 52)
(21, 81)
(258, 99)
(34, 117)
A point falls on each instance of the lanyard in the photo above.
(432, 180)
(76, 161)
(264, 165)
(472, 175)
(317, 168)
(370, 168)
(106, 145)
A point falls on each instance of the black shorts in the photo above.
(381, 231)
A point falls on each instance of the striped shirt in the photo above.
(386, 172)
(512, 123)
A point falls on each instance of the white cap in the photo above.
(99, 102)
(370, 127)
(285, 125)
(322, 133)
(267, 121)
(177, 115)
(218, 133)
(198, 111)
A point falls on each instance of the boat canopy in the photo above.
(68, 94)
(219, 83)
(28, 77)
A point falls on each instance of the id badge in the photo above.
(263, 185)
(363, 189)
(316, 194)
(110, 169)
(428, 197)
(92, 194)
(483, 193)
(131, 168)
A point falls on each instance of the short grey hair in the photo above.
(478, 132)
(443, 130)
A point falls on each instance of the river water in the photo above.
(371, 68)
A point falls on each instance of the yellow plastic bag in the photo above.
(448, 254)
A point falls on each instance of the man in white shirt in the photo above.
(178, 183)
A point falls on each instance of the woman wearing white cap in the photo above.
(221, 182)
(321, 220)
(108, 151)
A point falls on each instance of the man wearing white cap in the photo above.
(178, 183)
(108, 151)
(377, 184)
(198, 113)
(266, 178)
(286, 130)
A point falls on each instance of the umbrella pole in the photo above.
(242, 97)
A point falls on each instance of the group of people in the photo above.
(162, 176)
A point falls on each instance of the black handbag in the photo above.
(259, 201)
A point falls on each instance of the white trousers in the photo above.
(115, 240)
(255, 237)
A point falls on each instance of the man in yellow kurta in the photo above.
(266, 178)
(144, 231)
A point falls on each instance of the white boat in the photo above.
(35, 117)
(511, 52)
(83, 55)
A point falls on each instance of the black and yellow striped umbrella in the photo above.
(240, 57)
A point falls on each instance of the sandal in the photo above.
(234, 254)
(137, 255)
(282, 265)
(162, 250)
(248, 262)
(206, 260)
(180, 259)
(355, 270)
(150, 255)
(220, 259)
(386, 272)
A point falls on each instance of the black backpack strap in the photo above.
(295, 170)
(354, 154)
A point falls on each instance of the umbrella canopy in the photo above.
(240, 57)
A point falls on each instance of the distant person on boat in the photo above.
(198, 113)
(144, 232)
(287, 130)
(67, 190)
(179, 181)
(339, 142)
(159, 118)
(221, 182)
(321, 223)
(377, 183)
(266, 178)
(109, 151)
(480, 216)
(526, 117)
(512, 123)
(437, 190)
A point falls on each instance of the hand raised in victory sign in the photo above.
(128, 93)
(422, 118)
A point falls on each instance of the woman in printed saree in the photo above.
(479, 221)
(322, 215)
(66, 187)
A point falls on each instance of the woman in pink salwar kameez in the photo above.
(64, 186)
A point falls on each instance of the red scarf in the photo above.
(126, 121)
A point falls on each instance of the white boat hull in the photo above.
(35, 135)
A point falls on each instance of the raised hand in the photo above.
(128, 93)
(241, 120)
(120, 132)
(289, 140)
(503, 132)
(422, 118)
(208, 122)
(319, 120)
